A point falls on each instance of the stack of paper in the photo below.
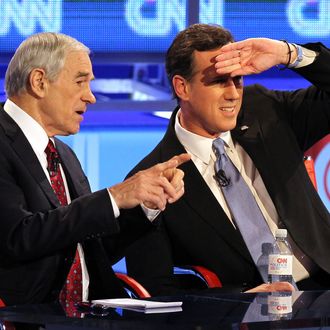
(145, 306)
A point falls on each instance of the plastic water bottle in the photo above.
(281, 259)
(280, 270)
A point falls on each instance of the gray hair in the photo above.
(45, 50)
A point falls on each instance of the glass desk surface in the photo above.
(301, 310)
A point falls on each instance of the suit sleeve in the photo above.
(31, 227)
(306, 111)
(309, 109)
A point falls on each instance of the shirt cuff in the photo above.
(151, 214)
(115, 208)
(308, 57)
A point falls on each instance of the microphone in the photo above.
(222, 178)
(54, 165)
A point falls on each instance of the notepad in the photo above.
(139, 305)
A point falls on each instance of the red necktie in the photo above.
(72, 289)
(56, 180)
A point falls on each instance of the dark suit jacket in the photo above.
(195, 230)
(38, 238)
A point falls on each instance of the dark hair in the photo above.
(200, 37)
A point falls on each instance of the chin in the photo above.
(73, 131)
(231, 125)
(227, 128)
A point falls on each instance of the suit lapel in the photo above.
(249, 136)
(25, 152)
(76, 179)
(200, 197)
(261, 137)
(260, 143)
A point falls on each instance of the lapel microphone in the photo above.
(54, 165)
(222, 178)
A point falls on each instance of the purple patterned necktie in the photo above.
(242, 204)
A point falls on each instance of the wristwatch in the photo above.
(299, 58)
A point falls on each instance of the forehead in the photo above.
(76, 62)
(204, 62)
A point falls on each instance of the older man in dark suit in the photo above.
(51, 225)
(265, 135)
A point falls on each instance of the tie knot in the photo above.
(218, 146)
(50, 149)
(52, 158)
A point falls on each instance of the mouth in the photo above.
(228, 109)
(80, 112)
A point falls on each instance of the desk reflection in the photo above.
(309, 309)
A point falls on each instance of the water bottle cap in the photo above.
(281, 233)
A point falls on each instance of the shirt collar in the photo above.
(32, 130)
(198, 145)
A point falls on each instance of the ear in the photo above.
(38, 82)
(181, 87)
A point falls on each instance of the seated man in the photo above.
(263, 135)
(53, 230)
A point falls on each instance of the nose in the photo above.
(231, 90)
(88, 96)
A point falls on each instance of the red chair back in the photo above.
(310, 168)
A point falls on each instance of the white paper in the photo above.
(136, 303)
